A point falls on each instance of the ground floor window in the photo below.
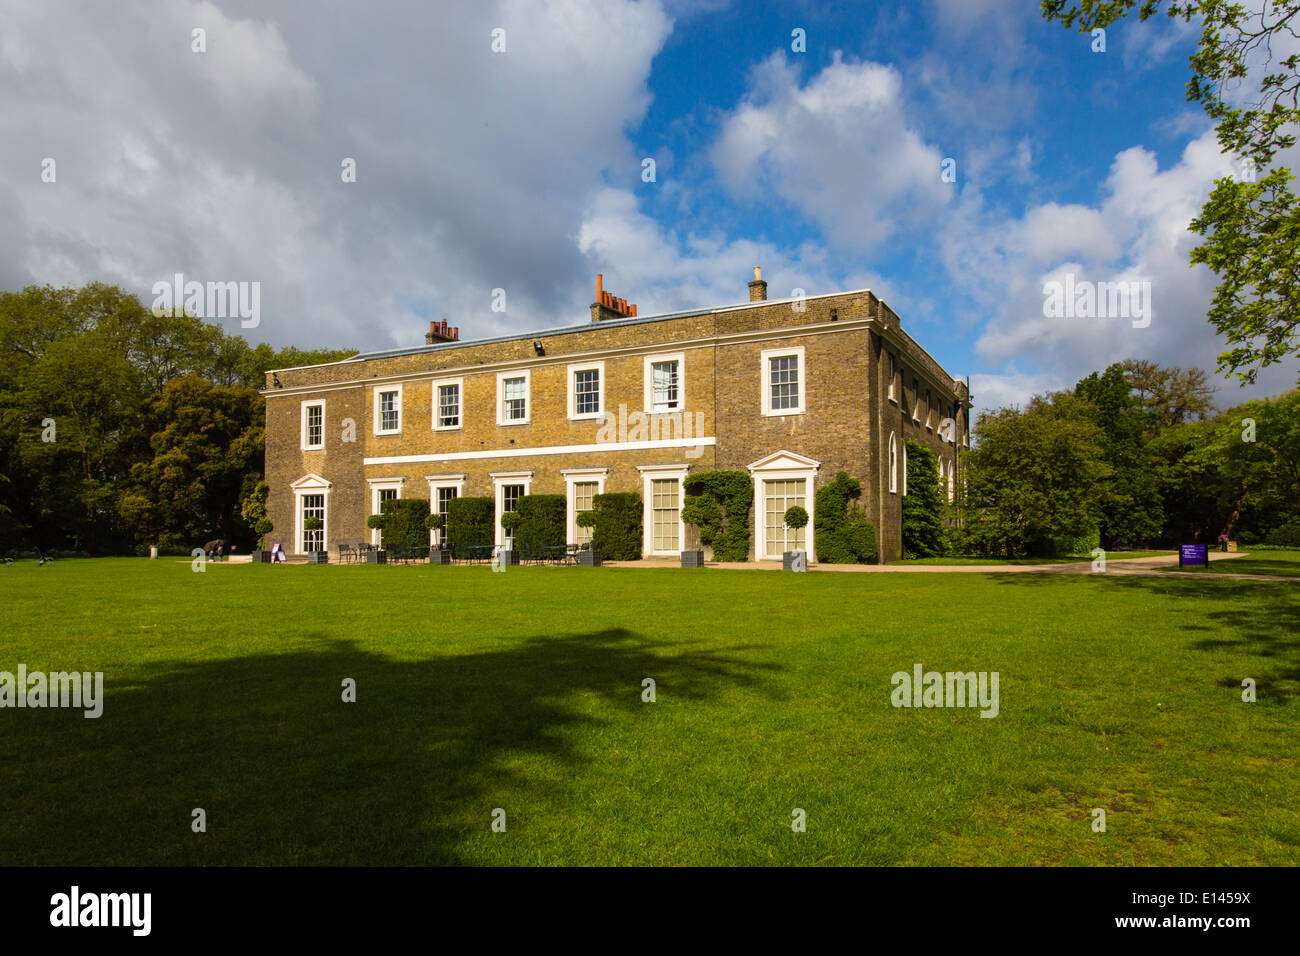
(666, 512)
(583, 494)
(780, 496)
(313, 506)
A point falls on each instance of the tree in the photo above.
(923, 504)
(1034, 476)
(207, 442)
(1131, 504)
(1251, 222)
(1170, 396)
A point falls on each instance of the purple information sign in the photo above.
(1193, 554)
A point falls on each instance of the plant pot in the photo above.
(589, 559)
(692, 559)
(790, 558)
(318, 557)
(439, 556)
(511, 557)
(376, 557)
(261, 557)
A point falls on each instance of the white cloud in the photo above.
(838, 147)
(474, 169)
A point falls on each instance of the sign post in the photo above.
(1193, 555)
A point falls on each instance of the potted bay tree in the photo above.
(376, 555)
(510, 522)
(441, 554)
(316, 557)
(588, 556)
(703, 516)
(795, 518)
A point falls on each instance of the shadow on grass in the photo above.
(289, 774)
(1263, 622)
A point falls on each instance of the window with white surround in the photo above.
(893, 463)
(513, 397)
(313, 425)
(587, 390)
(311, 494)
(916, 400)
(665, 385)
(950, 468)
(662, 496)
(929, 411)
(442, 490)
(783, 381)
(779, 496)
(447, 398)
(581, 487)
(388, 409)
(905, 469)
(510, 487)
(893, 393)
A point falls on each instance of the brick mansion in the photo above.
(791, 391)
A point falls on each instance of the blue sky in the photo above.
(521, 170)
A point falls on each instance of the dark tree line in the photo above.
(120, 428)
(1135, 456)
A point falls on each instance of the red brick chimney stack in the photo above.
(609, 306)
(441, 332)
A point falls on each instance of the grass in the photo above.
(523, 691)
(1279, 563)
(1070, 559)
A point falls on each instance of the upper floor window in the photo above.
(783, 381)
(447, 404)
(916, 400)
(313, 425)
(664, 383)
(893, 463)
(513, 398)
(586, 390)
(929, 411)
(893, 392)
(388, 409)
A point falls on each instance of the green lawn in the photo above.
(1280, 563)
(1072, 559)
(522, 690)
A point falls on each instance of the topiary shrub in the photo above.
(718, 503)
(619, 531)
(402, 522)
(543, 522)
(923, 504)
(469, 522)
(843, 534)
(795, 517)
(434, 521)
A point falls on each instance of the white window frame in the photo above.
(893, 463)
(950, 470)
(377, 485)
(929, 410)
(442, 481)
(571, 373)
(303, 443)
(649, 398)
(526, 375)
(916, 400)
(767, 356)
(893, 374)
(499, 481)
(649, 475)
(378, 389)
(310, 484)
(436, 408)
(905, 468)
(576, 476)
